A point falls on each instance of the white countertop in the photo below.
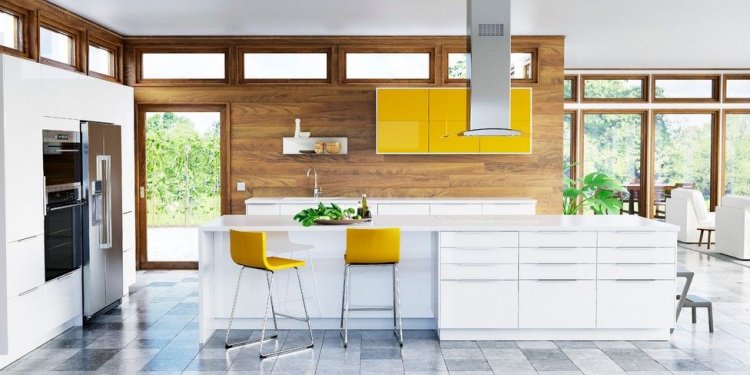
(582, 223)
(290, 200)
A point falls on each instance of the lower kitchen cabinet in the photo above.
(65, 294)
(478, 304)
(26, 260)
(635, 303)
(557, 304)
(27, 317)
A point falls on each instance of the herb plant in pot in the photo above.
(596, 191)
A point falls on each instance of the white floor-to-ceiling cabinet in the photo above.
(35, 97)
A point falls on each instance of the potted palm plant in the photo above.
(596, 191)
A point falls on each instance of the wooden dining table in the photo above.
(634, 192)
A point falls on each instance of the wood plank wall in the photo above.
(260, 115)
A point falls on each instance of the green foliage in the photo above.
(308, 216)
(458, 70)
(596, 192)
(612, 89)
(183, 170)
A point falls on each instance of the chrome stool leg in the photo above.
(228, 345)
(345, 308)
(265, 319)
(397, 306)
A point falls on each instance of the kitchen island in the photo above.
(490, 277)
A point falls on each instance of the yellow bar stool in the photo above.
(248, 250)
(368, 248)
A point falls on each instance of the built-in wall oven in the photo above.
(63, 221)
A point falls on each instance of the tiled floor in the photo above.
(155, 332)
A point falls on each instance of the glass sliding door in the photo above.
(612, 145)
(737, 154)
(682, 155)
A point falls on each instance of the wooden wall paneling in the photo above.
(260, 115)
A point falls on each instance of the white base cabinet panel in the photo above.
(26, 265)
(557, 304)
(478, 304)
(635, 303)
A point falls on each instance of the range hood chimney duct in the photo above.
(489, 68)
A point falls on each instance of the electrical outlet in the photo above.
(241, 186)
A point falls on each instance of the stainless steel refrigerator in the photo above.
(102, 184)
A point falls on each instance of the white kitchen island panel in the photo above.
(471, 278)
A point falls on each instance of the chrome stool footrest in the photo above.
(270, 277)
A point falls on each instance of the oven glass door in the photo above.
(63, 239)
(62, 164)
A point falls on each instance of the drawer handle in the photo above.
(642, 280)
(560, 232)
(566, 280)
(26, 238)
(28, 291)
(480, 248)
(477, 264)
(557, 264)
(475, 280)
(67, 275)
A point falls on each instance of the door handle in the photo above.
(142, 192)
(104, 173)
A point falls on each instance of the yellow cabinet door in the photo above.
(402, 137)
(445, 137)
(520, 119)
(403, 104)
(449, 104)
(402, 120)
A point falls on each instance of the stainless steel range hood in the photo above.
(489, 68)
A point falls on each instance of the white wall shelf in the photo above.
(295, 146)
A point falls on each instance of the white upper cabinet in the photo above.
(22, 148)
(64, 93)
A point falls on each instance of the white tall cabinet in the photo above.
(34, 97)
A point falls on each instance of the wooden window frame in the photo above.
(728, 77)
(80, 53)
(608, 77)
(714, 78)
(24, 19)
(140, 81)
(285, 49)
(715, 151)
(344, 50)
(575, 80)
(116, 51)
(534, 64)
(644, 200)
(448, 49)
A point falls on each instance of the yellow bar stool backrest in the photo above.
(249, 249)
(373, 246)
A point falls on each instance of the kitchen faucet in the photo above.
(316, 190)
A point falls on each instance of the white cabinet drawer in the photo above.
(557, 304)
(637, 239)
(128, 231)
(262, 209)
(557, 239)
(508, 209)
(292, 209)
(455, 209)
(557, 255)
(27, 316)
(63, 295)
(499, 255)
(557, 271)
(468, 271)
(628, 271)
(636, 255)
(25, 261)
(478, 240)
(478, 304)
(635, 304)
(403, 209)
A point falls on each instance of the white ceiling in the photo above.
(599, 33)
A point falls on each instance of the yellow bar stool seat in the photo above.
(372, 248)
(248, 250)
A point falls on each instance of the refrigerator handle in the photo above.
(104, 172)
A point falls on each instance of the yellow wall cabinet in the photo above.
(427, 121)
